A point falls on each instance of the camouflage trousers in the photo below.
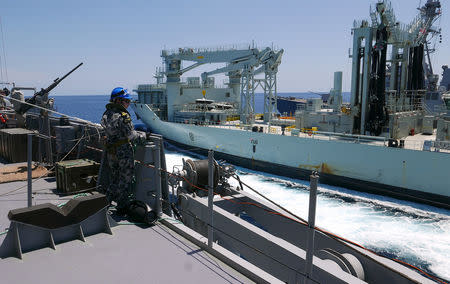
(121, 164)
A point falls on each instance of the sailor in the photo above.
(3, 94)
(120, 135)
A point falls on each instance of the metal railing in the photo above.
(193, 50)
(436, 146)
(418, 145)
(215, 108)
(408, 100)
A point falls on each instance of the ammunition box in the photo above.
(76, 175)
(13, 145)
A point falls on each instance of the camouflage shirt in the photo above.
(117, 124)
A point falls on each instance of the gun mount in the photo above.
(42, 95)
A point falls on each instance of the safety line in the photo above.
(49, 110)
(301, 221)
(242, 242)
(51, 169)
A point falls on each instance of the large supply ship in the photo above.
(386, 140)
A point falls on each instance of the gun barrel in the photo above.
(24, 108)
(58, 80)
(70, 72)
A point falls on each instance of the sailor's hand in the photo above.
(141, 137)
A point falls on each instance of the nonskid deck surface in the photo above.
(132, 254)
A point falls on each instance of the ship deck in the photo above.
(415, 142)
(132, 254)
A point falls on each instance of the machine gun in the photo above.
(43, 93)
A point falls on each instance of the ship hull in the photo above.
(406, 174)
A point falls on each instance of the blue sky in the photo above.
(120, 41)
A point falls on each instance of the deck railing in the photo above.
(418, 145)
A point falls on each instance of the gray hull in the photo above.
(419, 176)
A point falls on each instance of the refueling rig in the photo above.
(375, 110)
(391, 76)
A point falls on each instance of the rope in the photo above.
(74, 197)
(51, 169)
(300, 221)
(84, 136)
(247, 245)
(266, 198)
(52, 111)
(334, 236)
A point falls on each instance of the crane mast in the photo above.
(378, 95)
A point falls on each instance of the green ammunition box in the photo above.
(76, 175)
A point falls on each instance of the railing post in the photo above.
(158, 182)
(40, 158)
(314, 177)
(29, 173)
(48, 145)
(210, 196)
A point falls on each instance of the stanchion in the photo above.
(311, 224)
(29, 174)
(210, 196)
(158, 182)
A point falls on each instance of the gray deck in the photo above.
(131, 255)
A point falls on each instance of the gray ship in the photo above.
(386, 141)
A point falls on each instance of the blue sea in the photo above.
(415, 233)
(86, 107)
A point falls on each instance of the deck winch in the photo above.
(194, 177)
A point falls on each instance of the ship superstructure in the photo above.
(355, 145)
(241, 67)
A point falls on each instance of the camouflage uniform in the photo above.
(120, 134)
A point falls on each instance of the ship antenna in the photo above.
(4, 52)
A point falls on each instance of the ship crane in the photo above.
(244, 67)
(269, 83)
(240, 68)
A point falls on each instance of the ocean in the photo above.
(415, 233)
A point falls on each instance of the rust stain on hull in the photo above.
(322, 168)
(326, 169)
